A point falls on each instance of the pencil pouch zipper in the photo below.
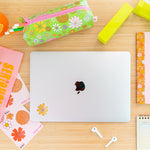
(48, 16)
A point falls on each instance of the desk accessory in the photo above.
(3, 24)
(93, 86)
(10, 61)
(115, 23)
(94, 130)
(143, 9)
(57, 22)
(16, 123)
(113, 140)
(143, 132)
(143, 65)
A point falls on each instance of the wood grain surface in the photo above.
(78, 136)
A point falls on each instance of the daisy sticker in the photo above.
(56, 27)
(7, 124)
(42, 109)
(75, 22)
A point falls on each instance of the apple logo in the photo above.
(80, 86)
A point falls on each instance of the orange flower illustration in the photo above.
(42, 109)
(18, 135)
(9, 116)
(10, 101)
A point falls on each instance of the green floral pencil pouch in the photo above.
(57, 22)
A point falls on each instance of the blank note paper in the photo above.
(143, 133)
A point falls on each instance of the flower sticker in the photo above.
(39, 26)
(19, 134)
(10, 101)
(56, 27)
(9, 116)
(7, 125)
(42, 109)
(75, 22)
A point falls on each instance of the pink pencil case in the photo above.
(10, 61)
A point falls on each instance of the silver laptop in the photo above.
(80, 86)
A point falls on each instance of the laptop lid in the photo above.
(80, 86)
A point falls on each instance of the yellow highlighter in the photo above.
(143, 9)
(115, 23)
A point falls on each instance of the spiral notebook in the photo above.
(143, 133)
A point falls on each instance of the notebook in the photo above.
(143, 68)
(143, 133)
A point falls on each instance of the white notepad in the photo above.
(143, 133)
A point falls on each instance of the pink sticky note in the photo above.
(9, 65)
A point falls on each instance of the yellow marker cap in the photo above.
(115, 23)
(143, 9)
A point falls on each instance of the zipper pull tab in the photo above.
(95, 18)
(21, 19)
(26, 20)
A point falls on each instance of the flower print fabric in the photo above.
(56, 27)
(140, 68)
(52, 28)
(143, 65)
(39, 26)
(75, 22)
